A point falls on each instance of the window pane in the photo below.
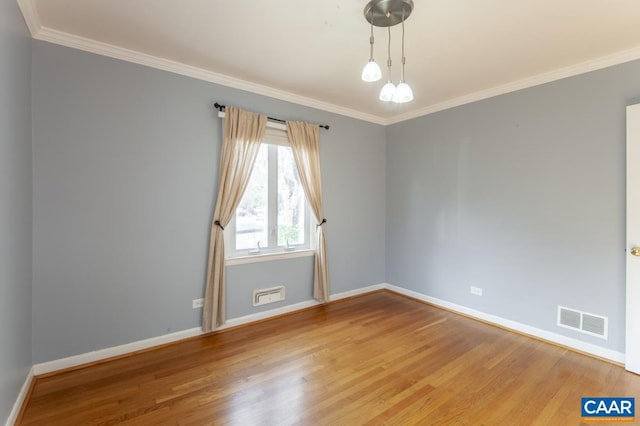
(251, 214)
(291, 200)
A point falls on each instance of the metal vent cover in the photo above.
(570, 318)
(268, 295)
(584, 322)
(593, 324)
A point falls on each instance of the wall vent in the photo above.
(595, 325)
(268, 295)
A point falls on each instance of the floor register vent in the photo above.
(584, 322)
(268, 295)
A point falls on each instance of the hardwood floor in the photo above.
(376, 359)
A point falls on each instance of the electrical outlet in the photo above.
(197, 303)
(476, 290)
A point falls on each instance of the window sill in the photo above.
(267, 257)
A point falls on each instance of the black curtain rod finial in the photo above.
(221, 108)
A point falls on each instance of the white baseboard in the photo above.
(358, 291)
(76, 360)
(297, 306)
(516, 326)
(22, 396)
(101, 354)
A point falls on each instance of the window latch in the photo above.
(255, 250)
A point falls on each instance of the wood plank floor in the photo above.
(376, 359)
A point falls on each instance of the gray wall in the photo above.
(521, 195)
(15, 205)
(125, 169)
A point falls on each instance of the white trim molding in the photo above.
(268, 257)
(111, 51)
(22, 396)
(247, 319)
(102, 354)
(549, 336)
(31, 17)
(40, 32)
(525, 83)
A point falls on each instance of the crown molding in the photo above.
(525, 83)
(39, 32)
(30, 14)
(105, 49)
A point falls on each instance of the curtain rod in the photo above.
(221, 108)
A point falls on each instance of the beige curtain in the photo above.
(243, 133)
(304, 140)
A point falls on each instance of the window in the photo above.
(273, 215)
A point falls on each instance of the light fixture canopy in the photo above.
(387, 13)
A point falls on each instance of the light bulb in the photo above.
(371, 71)
(387, 92)
(402, 94)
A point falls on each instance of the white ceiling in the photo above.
(312, 52)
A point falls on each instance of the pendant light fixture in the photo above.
(371, 71)
(388, 90)
(387, 13)
(403, 92)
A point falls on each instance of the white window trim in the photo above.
(268, 257)
(275, 134)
